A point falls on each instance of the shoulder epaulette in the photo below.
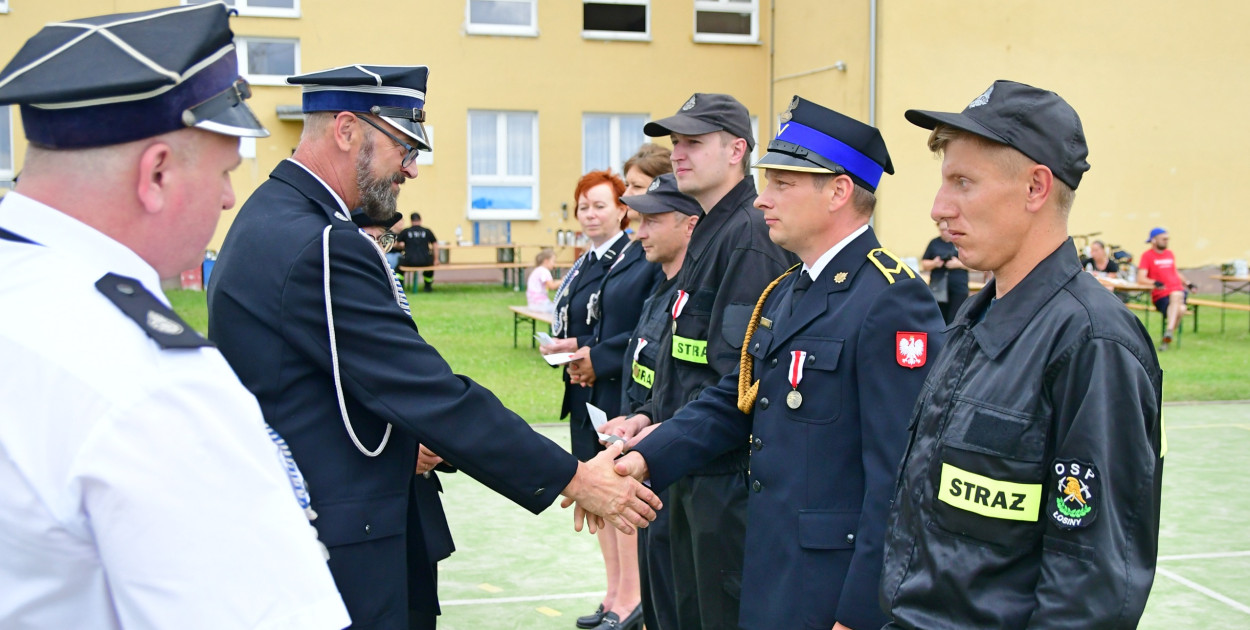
(889, 265)
(160, 322)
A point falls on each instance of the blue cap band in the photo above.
(834, 150)
(345, 101)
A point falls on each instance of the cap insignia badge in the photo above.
(789, 113)
(689, 105)
(162, 324)
(840, 278)
(982, 99)
(655, 183)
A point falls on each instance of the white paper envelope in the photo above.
(597, 419)
(559, 358)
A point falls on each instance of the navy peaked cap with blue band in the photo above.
(117, 78)
(394, 93)
(816, 139)
(663, 196)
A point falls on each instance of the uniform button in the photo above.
(850, 539)
(539, 492)
(757, 443)
(756, 485)
(125, 289)
(755, 347)
(774, 363)
(763, 403)
(811, 359)
(368, 529)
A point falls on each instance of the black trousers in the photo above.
(707, 532)
(655, 566)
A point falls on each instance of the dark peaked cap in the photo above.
(816, 139)
(394, 93)
(116, 78)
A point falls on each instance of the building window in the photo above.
(4, 6)
(7, 168)
(503, 165)
(267, 61)
(610, 139)
(259, 8)
(501, 17)
(727, 21)
(616, 19)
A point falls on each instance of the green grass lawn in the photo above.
(472, 328)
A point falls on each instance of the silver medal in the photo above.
(794, 399)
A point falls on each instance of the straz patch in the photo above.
(989, 497)
(911, 349)
(692, 350)
(1076, 494)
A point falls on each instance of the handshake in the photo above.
(608, 488)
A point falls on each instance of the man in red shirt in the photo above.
(1159, 265)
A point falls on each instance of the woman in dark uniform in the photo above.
(597, 307)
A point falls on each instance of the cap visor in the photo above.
(679, 123)
(414, 130)
(234, 121)
(787, 162)
(929, 120)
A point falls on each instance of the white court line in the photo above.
(513, 600)
(1206, 556)
(1204, 590)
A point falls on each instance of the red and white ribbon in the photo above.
(797, 358)
(641, 344)
(680, 303)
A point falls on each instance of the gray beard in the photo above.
(376, 198)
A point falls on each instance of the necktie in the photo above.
(800, 287)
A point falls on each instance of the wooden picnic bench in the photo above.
(513, 272)
(522, 313)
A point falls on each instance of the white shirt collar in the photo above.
(603, 249)
(824, 259)
(73, 240)
(346, 210)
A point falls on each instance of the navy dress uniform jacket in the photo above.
(267, 314)
(625, 290)
(822, 475)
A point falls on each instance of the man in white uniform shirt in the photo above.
(139, 487)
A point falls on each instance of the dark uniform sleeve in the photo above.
(887, 394)
(709, 426)
(390, 370)
(1098, 564)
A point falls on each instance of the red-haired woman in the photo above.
(597, 307)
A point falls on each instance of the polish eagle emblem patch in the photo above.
(911, 349)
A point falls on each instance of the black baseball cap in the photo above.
(1035, 122)
(705, 113)
(663, 196)
(816, 139)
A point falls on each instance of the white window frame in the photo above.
(727, 6)
(503, 29)
(620, 35)
(501, 166)
(4, 6)
(614, 139)
(8, 171)
(241, 43)
(245, 10)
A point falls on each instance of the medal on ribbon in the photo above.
(642, 343)
(678, 305)
(797, 358)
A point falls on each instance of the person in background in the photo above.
(1158, 264)
(651, 161)
(420, 249)
(139, 484)
(1100, 264)
(948, 278)
(611, 279)
(541, 281)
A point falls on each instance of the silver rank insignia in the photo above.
(794, 399)
(162, 324)
(689, 105)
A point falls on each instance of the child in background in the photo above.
(541, 281)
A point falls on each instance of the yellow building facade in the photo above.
(525, 94)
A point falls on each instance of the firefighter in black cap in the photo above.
(1029, 497)
(305, 308)
(139, 485)
(833, 360)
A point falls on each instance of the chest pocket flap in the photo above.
(761, 343)
(822, 354)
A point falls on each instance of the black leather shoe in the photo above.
(591, 620)
(612, 621)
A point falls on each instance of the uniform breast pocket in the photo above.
(818, 398)
(990, 475)
(691, 331)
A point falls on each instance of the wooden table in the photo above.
(1231, 285)
(522, 313)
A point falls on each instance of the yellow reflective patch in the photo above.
(989, 497)
(643, 375)
(692, 350)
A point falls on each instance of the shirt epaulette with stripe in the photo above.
(889, 265)
(160, 322)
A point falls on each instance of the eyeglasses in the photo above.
(411, 150)
(386, 241)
